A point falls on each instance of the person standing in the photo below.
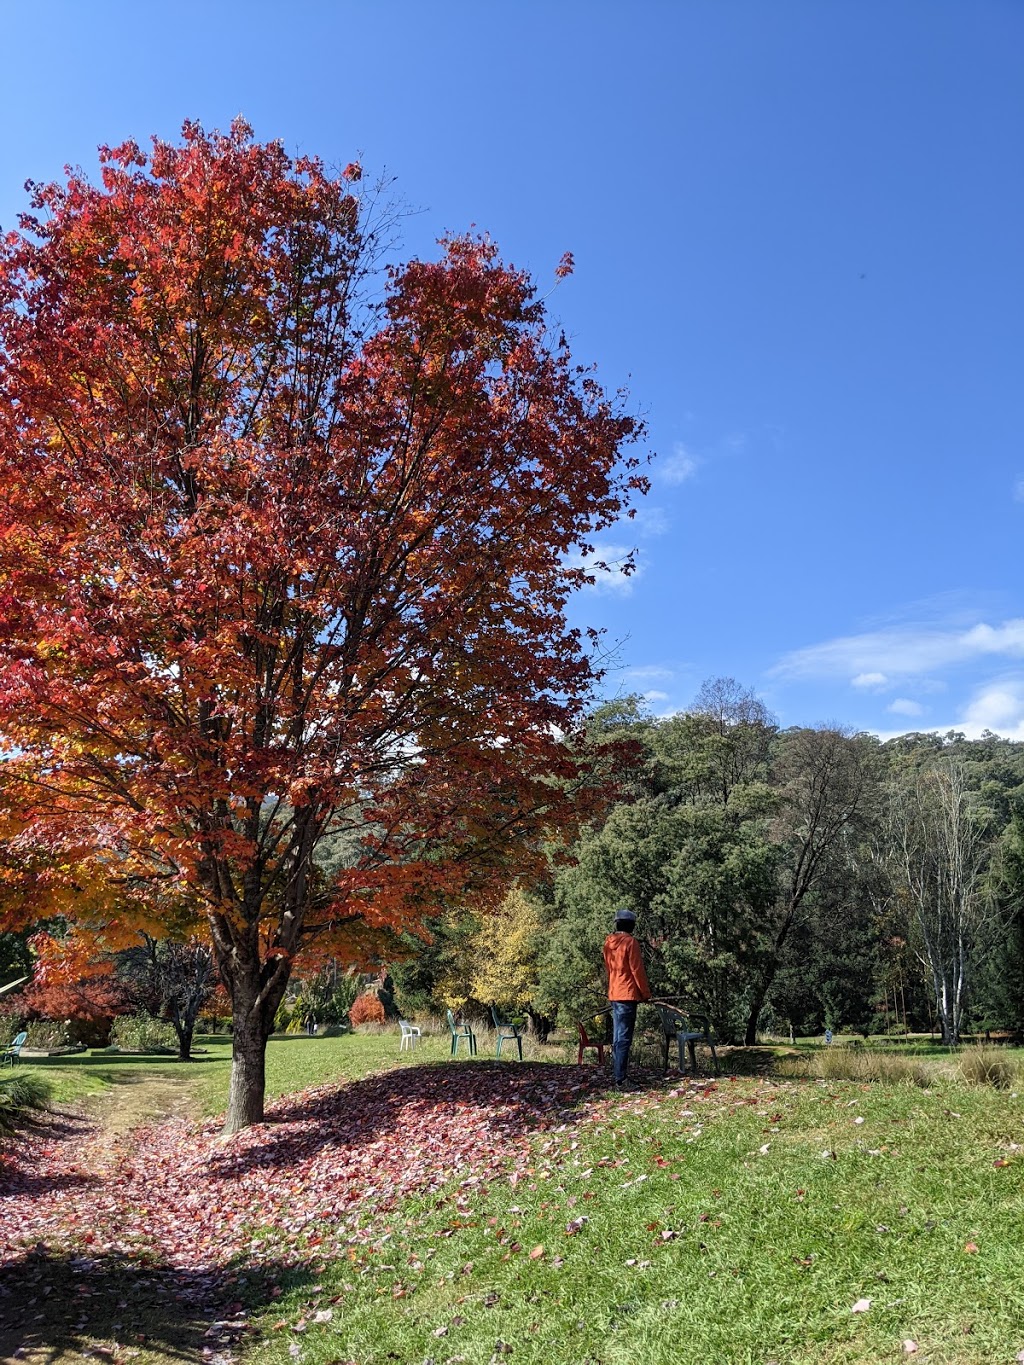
(627, 986)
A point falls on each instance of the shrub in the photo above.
(47, 1033)
(366, 1009)
(10, 1026)
(20, 1091)
(985, 1065)
(142, 1033)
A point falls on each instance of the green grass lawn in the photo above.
(740, 1224)
(743, 1226)
(293, 1063)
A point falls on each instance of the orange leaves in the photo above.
(266, 586)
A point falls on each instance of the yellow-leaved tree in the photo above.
(504, 969)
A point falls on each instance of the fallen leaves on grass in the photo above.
(327, 1161)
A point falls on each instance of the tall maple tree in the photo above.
(285, 546)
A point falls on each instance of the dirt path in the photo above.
(130, 1104)
(58, 1310)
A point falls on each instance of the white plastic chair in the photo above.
(410, 1035)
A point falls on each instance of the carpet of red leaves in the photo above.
(327, 1162)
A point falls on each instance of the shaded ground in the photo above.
(69, 1308)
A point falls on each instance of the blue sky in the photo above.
(797, 229)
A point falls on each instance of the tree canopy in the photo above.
(285, 553)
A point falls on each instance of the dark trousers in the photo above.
(623, 1023)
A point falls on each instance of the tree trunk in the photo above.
(256, 991)
(184, 1032)
(768, 977)
(754, 1015)
(248, 1074)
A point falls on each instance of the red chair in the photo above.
(585, 1042)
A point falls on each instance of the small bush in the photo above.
(366, 1009)
(20, 1091)
(141, 1033)
(47, 1033)
(982, 1064)
(10, 1027)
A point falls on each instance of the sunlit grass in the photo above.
(738, 1227)
(293, 1063)
(735, 1224)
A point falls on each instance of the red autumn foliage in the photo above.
(285, 560)
(69, 982)
(366, 1009)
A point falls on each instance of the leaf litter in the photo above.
(328, 1160)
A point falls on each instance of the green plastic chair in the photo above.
(688, 1029)
(506, 1032)
(460, 1031)
(12, 1053)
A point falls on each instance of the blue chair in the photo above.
(506, 1032)
(461, 1031)
(12, 1053)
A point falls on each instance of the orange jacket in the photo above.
(627, 979)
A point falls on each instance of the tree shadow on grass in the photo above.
(61, 1307)
(99, 1061)
(18, 1175)
(509, 1099)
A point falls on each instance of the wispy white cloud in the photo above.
(610, 566)
(997, 706)
(871, 681)
(649, 521)
(681, 465)
(904, 706)
(650, 673)
(1018, 491)
(902, 651)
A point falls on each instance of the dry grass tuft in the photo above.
(982, 1064)
(860, 1064)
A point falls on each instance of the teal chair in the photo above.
(506, 1032)
(12, 1053)
(461, 1031)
